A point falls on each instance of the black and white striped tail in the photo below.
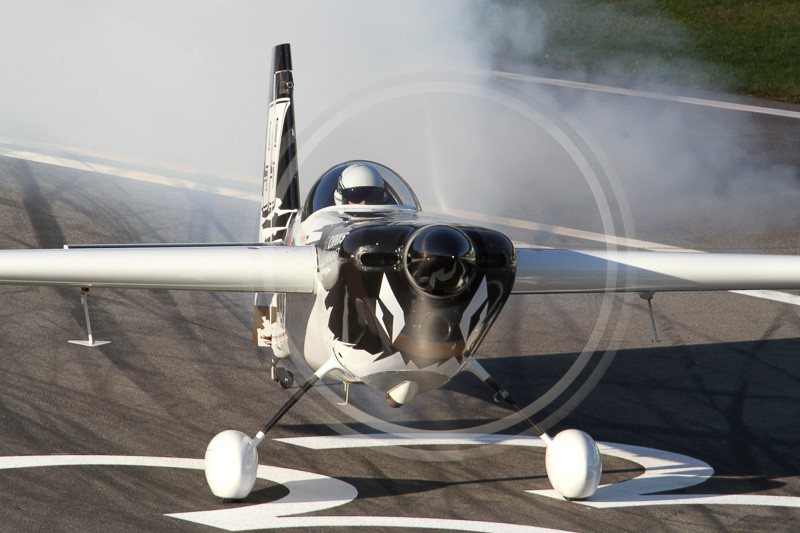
(280, 197)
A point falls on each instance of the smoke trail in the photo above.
(185, 82)
(685, 170)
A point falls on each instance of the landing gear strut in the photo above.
(572, 459)
(91, 340)
(231, 461)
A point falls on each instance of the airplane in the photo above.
(367, 288)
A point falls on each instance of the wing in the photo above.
(249, 268)
(560, 271)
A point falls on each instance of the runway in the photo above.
(112, 435)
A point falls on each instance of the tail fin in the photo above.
(280, 195)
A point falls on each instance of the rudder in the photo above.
(280, 195)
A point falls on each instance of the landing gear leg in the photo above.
(231, 461)
(91, 340)
(649, 297)
(572, 459)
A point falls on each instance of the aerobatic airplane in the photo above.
(367, 288)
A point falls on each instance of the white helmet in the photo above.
(360, 184)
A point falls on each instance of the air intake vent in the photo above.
(379, 260)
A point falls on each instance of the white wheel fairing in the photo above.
(573, 464)
(230, 463)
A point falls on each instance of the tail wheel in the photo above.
(284, 378)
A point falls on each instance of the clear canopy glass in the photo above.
(322, 193)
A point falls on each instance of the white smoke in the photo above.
(185, 82)
(685, 169)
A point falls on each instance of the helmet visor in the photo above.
(364, 195)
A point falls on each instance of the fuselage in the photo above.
(401, 295)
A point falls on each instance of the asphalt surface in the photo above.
(723, 387)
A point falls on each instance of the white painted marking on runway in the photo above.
(555, 230)
(664, 471)
(77, 153)
(414, 524)
(776, 296)
(704, 102)
(683, 499)
(337, 442)
(147, 177)
(33, 461)
(308, 492)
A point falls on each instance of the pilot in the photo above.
(361, 184)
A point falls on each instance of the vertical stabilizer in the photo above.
(280, 196)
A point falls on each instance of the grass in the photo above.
(758, 42)
(750, 47)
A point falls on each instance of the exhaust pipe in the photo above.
(402, 393)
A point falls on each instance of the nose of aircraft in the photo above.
(440, 260)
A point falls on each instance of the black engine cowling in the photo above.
(430, 292)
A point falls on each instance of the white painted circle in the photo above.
(308, 492)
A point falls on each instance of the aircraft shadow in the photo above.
(733, 405)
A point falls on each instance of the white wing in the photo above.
(250, 268)
(559, 271)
